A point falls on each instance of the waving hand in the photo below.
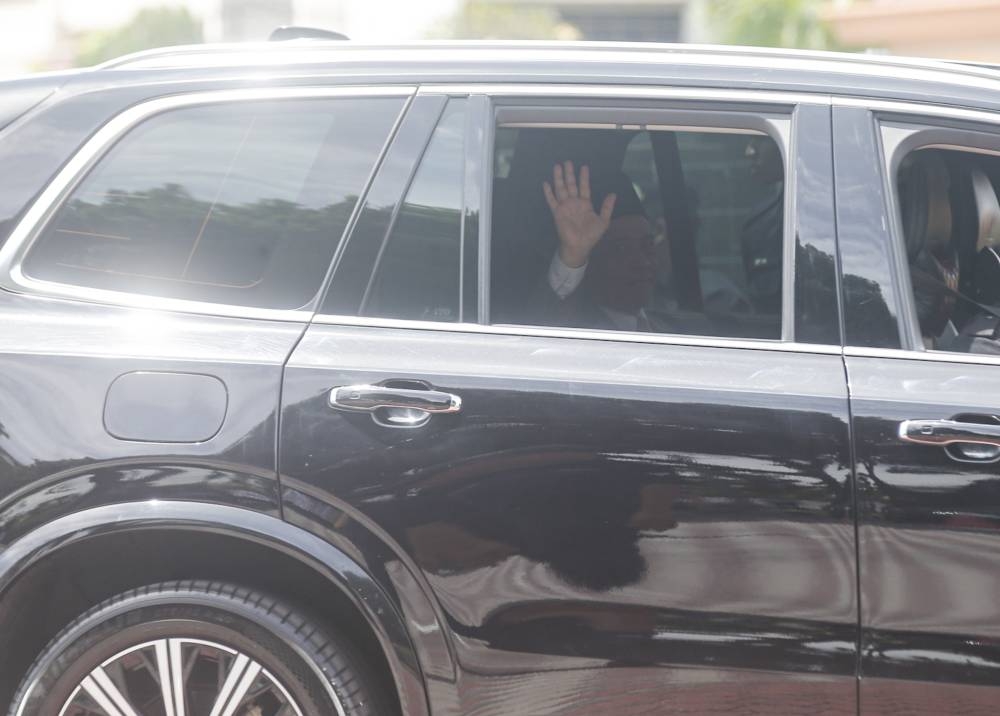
(579, 227)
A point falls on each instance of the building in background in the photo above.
(948, 29)
(43, 34)
(46, 34)
(630, 20)
(253, 20)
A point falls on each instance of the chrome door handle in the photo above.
(372, 397)
(949, 432)
(395, 407)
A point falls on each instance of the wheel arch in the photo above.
(293, 550)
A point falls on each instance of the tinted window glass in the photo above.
(950, 216)
(417, 273)
(227, 203)
(691, 245)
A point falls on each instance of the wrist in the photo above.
(572, 259)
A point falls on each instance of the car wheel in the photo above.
(197, 649)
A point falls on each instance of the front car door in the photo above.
(917, 216)
(600, 517)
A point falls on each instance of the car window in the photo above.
(239, 204)
(949, 217)
(692, 244)
(416, 275)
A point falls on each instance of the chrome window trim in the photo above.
(789, 235)
(935, 356)
(486, 179)
(616, 91)
(577, 333)
(927, 110)
(19, 243)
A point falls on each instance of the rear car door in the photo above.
(592, 517)
(918, 219)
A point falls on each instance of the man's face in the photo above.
(622, 268)
(766, 160)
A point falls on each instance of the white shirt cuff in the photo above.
(563, 280)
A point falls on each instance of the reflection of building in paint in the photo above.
(630, 20)
(949, 29)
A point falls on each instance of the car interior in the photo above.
(950, 219)
(713, 200)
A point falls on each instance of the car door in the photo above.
(917, 208)
(591, 519)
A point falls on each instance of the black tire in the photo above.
(309, 665)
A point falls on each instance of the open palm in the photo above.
(579, 227)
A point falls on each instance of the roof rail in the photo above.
(986, 65)
(192, 55)
(293, 32)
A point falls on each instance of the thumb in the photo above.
(607, 207)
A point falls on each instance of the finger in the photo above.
(571, 180)
(608, 207)
(559, 182)
(550, 198)
(585, 182)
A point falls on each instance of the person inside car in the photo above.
(761, 235)
(603, 271)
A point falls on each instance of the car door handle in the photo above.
(377, 397)
(949, 432)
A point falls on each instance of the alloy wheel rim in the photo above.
(180, 677)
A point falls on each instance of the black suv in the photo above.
(499, 379)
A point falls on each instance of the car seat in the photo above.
(926, 215)
(986, 275)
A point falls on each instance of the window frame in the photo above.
(478, 199)
(902, 128)
(94, 150)
(694, 111)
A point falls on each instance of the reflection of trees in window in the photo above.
(159, 240)
(434, 253)
(868, 318)
(239, 203)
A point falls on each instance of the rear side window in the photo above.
(239, 204)
(690, 225)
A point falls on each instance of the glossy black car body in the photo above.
(644, 525)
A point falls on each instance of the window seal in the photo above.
(473, 182)
(30, 226)
(486, 215)
(778, 123)
(924, 355)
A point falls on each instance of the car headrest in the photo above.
(925, 210)
(987, 209)
(986, 281)
(925, 205)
